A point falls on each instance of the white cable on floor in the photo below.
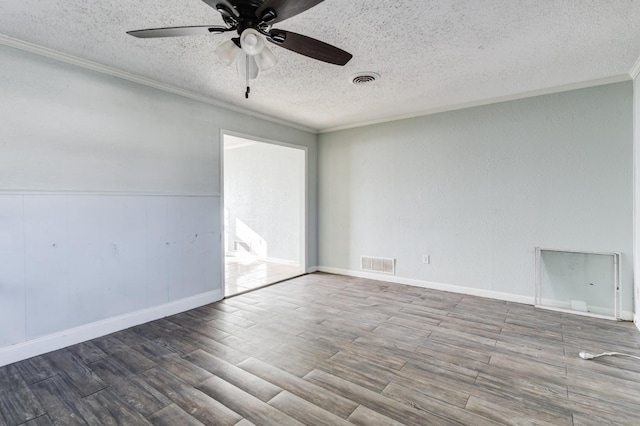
(587, 355)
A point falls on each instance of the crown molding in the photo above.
(489, 101)
(103, 69)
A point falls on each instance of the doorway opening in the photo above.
(264, 196)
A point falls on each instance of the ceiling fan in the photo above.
(252, 20)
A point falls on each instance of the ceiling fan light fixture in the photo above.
(252, 20)
(228, 52)
(247, 67)
(266, 59)
(252, 42)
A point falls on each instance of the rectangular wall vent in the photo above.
(378, 264)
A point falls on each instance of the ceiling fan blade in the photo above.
(310, 47)
(284, 9)
(178, 31)
(215, 3)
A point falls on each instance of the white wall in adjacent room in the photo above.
(478, 189)
(264, 198)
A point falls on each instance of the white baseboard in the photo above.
(52, 342)
(433, 285)
(636, 320)
(508, 297)
(312, 269)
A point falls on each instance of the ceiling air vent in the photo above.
(365, 78)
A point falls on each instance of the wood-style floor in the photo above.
(332, 350)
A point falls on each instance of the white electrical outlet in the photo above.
(426, 259)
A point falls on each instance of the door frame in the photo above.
(304, 226)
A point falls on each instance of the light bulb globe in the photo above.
(251, 42)
(228, 52)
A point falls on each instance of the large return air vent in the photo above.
(378, 264)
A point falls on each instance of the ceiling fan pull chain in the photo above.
(246, 94)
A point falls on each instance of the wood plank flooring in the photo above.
(332, 350)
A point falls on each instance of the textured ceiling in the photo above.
(431, 54)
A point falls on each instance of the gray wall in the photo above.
(478, 189)
(66, 128)
(109, 198)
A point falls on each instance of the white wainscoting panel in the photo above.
(86, 251)
(71, 260)
(198, 236)
(47, 265)
(12, 307)
(162, 252)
